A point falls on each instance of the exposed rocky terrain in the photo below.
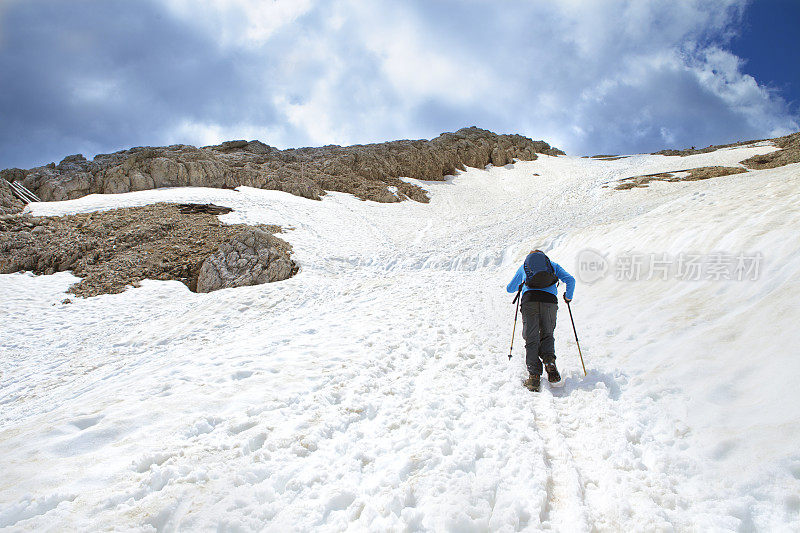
(711, 148)
(608, 157)
(693, 174)
(115, 249)
(789, 152)
(112, 250)
(370, 172)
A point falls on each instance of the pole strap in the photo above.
(519, 291)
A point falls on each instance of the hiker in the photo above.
(538, 278)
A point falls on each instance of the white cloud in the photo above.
(587, 76)
(720, 72)
(413, 60)
(209, 133)
(595, 75)
(248, 23)
(97, 90)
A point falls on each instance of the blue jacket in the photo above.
(562, 274)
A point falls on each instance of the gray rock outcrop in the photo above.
(366, 171)
(8, 202)
(251, 257)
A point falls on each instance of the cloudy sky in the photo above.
(610, 76)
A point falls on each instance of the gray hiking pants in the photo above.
(538, 323)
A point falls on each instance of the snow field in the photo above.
(373, 390)
(720, 356)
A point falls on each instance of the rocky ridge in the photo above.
(370, 172)
(789, 152)
(710, 148)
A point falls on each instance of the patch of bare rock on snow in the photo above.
(112, 250)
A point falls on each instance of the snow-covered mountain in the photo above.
(373, 390)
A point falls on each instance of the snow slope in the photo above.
(373, 390)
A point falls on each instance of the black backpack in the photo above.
(539, 272)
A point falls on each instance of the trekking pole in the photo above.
(516, 312)
(576, 338)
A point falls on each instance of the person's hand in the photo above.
(568, 300)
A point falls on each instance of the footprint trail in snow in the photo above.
(373, 390)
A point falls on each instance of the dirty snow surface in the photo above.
(373, 391)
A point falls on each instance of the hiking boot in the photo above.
(552, 374)
(532, 383)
